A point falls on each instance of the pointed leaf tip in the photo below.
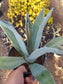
(38, 32)
(27, 15)
(51, 10)
(36, 25)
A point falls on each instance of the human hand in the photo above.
(16, 77)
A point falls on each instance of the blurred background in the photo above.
(14, 11)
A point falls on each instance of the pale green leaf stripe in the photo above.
(10, 62)
(41, 74)
(28, 27)
(55, 42)
(28, 21)
(14, 37)
(36, 25)
(41, 51)
(41, 28)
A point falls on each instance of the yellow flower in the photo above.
(34, 7)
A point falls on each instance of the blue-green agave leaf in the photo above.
(41, 51)
(10, 62)
(14, 37)
(28, 27)
(55, 42)
(36, 25)
(41, 28)
(41, 74)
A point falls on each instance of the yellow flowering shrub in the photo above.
(18, 8)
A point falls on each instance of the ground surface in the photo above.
(53, 64)
(58, 10)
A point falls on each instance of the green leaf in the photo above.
(59, 48)
(28, 27)
(41, 28)
(10, 62)
(41, 74)
(14, 37)
(41, 51)
(36, 25)
(55, 42)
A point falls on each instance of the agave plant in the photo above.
(31, 51)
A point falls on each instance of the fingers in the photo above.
(21, 69)
(29, 80)
(35, 82)
(16, 76)
(10, 73)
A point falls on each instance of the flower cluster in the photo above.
(18, 8)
